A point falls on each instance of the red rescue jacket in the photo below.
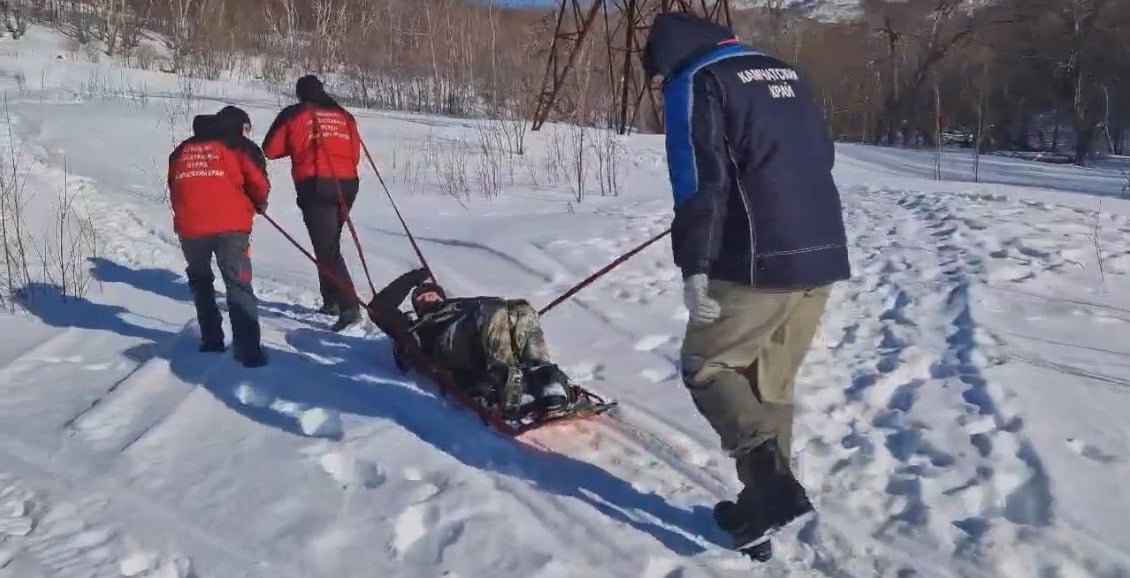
(215, 182)
(321, 141)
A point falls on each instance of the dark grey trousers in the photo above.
(233, 255)
(324, 218)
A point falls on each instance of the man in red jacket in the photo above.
(321, 139)
(217, 182)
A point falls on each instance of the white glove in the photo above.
(702, 308)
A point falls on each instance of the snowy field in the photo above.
(962, 414)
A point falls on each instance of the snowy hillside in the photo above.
(962, 414)
(827, 10)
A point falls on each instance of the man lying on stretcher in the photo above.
(493, 347)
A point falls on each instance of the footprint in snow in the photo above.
(1089, 451)
(652, 342)
(658, 375)
(410, 527)
(147, 565)
(350, 471)
(586, 372)
(319, 422)
(662, 567)
(314, 422)
(1011, 274)
(139, 564)
(248, 394)
(14, 517)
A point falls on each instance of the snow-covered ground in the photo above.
(962, 414)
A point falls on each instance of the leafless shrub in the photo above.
(449, 164)
(72, 45)
(156, 189)
(273, 69)
(190, 88)
(609, 162)
(66, 247)
(197, 37)
(490, 174)
(82, 24)
(496, 157)
(63, 248)
(173, 111)
(209, 64)
(514, 135)
(14, 234)
(405, 166)
(938, 149)
(119, 23)
(145, 57)
(555, 156)
(577, 163)
(531, 171)
(1097, 240)
(92, 53)
(16, 18)
(453, 175)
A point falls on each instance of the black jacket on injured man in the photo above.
(493, 347)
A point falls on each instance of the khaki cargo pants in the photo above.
(740, 368)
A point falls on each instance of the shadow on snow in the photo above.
(352, 375)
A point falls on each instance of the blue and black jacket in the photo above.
(750, 162)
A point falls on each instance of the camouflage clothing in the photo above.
(515, 329)
(477, 338)
(480, 333)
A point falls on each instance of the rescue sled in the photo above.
(585, 404)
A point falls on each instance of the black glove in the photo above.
(261, 208)
(421, 275)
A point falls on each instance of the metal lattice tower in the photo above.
(626, 24)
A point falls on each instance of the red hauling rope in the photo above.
(602, 272)
(415, 354)
(342, 206)
(407, 231)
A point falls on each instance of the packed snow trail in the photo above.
(962, 413)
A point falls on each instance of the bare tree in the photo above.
(1077, 63)
(16, 18)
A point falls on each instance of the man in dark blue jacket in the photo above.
(759, 236)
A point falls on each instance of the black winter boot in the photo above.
(774, 500)
(252, 359)
(346, 318)
(550, 386)
(212, 347)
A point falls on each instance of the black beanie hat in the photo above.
(204, 125)
(428, 288)
(309, 88)
(234, 116)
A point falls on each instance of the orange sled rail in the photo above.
(586, 404)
